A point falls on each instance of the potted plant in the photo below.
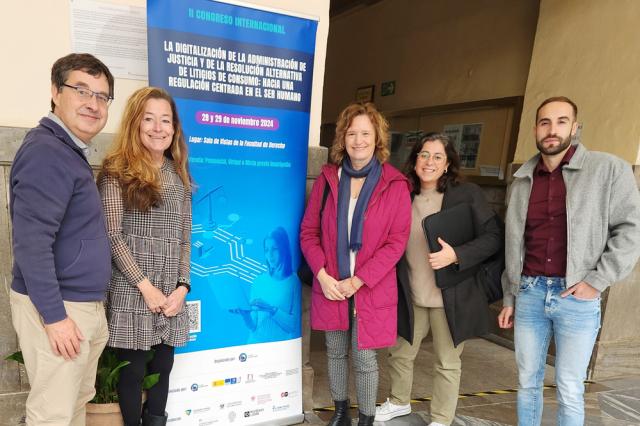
(103, 409)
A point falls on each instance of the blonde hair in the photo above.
(129, 161)
(380, 125)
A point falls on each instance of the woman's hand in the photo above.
(329, 286)
(173, 304)
(443, 258)
(153, 297)
(349, 286)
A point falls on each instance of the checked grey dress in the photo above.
(154, 244)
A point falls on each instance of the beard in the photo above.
(553, 150)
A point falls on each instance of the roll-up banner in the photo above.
(241, 78)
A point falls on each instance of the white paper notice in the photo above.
(116, 34)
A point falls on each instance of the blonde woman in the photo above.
(146, 194)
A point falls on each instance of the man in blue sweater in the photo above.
(62, 262)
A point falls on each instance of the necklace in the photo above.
(356, 192)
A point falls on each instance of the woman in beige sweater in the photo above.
(453, 314)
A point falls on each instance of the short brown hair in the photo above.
(79, 62)
(380, 124)
(559, 99)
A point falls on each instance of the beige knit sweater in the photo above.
(422, 279)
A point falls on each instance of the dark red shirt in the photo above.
(545, 233)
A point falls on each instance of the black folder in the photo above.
(455, 226)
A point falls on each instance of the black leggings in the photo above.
(130, 383)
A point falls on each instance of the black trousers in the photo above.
(130, 384)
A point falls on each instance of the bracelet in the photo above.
(185, 285)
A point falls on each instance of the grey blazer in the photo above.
(603, 221)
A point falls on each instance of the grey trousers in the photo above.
(365, 365)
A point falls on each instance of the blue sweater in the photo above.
(60, 246)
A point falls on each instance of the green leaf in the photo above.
(16, 356)
(108, 375)
(150, 381)
(114, 375)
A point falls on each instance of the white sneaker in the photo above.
(388, 410)
(436, 424)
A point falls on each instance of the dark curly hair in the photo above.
(451, 177)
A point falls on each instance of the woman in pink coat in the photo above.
(353, 250)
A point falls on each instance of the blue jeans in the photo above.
(574, 323)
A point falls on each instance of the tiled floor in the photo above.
(486, 367)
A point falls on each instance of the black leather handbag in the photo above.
(304, 271)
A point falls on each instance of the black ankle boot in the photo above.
(365, 420)
(153, 420)
(341, 415)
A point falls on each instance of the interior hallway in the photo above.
(486, 367)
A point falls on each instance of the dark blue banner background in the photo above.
(247, 190)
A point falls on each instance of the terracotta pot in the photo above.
(104, 415)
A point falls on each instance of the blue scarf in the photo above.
(346, 243)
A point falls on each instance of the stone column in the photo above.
(618, 345)
(317, 157)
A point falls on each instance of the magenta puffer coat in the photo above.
(387, 222)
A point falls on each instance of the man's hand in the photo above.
(505, 318)
(329, 286)
(443, 258)
(153, 297)
(582, 290)
(174, 301)
(64, 338)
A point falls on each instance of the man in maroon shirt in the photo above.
(578, 212)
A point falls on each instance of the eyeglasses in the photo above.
(86, 94)
(437, 158)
